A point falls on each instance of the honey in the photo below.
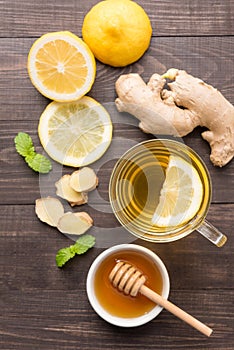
(116, 302)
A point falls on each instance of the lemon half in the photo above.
(61, 66)
(181, 194)
(75, 133)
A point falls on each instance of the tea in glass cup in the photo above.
(160, 190)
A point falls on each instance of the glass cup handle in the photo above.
(212, 233)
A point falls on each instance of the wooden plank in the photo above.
(209, 58)
(168, 18)
(49, 319)
(19, 184)
(193, 262)
(43, 307)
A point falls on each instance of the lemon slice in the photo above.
(61, 66)
(75, 133)
(180, 196)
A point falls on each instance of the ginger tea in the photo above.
(143, 190)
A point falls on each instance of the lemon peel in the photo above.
(117, 31)
(180, 196)
(75, 133)
(61, 66)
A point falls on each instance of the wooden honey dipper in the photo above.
(129, 280)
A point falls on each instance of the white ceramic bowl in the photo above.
(122, 321)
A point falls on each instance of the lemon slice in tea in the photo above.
(75, 133)
(180, 196)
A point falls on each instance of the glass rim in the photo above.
(189, 226)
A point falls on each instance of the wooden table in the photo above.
(44, 307)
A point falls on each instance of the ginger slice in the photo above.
(85, 216)
(73, 224)
(84, 180)
(65, 191)
(49, 210)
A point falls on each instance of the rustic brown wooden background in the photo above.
(43, 307)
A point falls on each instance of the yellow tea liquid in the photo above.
(136, 184)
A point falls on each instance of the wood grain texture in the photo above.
(46, 308)
(71, 324)
(209, 58)
(168, 17)
(52, 303)
(20, 185)
(22, 106)
(28, 249)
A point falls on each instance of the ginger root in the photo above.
(159, 110)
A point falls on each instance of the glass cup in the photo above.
(136, 186)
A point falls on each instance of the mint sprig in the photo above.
(81, 246)
(24, 146)
(39, 163)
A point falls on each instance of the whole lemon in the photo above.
(118, 32)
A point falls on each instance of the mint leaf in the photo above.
(81, 246)
(24, 145)
(39, 163)
(64, 255)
